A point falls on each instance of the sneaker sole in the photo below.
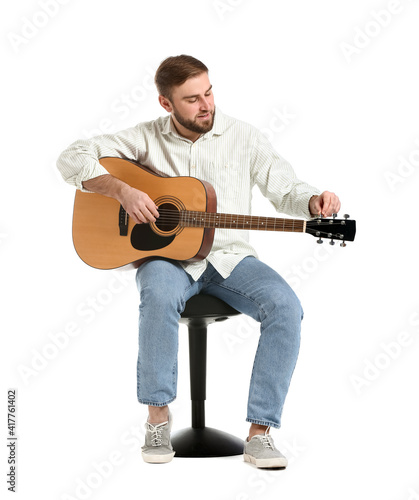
(158, 459)
(266, 463)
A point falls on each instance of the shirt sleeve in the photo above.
(277, 181)
(80, 161)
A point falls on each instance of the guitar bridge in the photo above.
(123, 222)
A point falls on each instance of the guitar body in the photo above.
(101, 241)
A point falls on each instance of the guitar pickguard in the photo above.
(144, 238)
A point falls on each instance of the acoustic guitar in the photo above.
(105, 237)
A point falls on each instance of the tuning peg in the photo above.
(343, 244)
(346, 217)
(331, 242)
(334, 216)
(319, 241)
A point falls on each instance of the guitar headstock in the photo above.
(341, 230)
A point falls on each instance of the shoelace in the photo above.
(156, 433)
(266, 441)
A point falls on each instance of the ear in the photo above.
(165, 103)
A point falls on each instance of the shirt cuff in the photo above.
(89, 172)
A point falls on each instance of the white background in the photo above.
(343, 74)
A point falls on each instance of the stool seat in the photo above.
(207, 309)
(199, 440)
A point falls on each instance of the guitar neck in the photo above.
(190, 218)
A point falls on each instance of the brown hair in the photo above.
(174, 71)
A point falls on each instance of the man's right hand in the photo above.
(136, 203)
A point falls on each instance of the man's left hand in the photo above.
(324, 204)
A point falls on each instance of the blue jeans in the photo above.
(252, 288)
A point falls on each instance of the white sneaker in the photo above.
(158, 448)
(261, 451)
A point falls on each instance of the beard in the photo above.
(193, 125)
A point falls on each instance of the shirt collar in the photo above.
(220, 124)
(168, 126)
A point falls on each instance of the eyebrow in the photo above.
(195, 95)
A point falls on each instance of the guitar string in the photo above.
(190, 213)
(321, 233)
(188, 216)
(168, 216)
(314, 222)
(268, 223)
(196, 220)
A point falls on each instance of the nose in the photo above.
(204, 104)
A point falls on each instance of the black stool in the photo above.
(200, 441)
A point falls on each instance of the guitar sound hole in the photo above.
(169, 218)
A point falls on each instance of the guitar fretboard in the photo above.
(190, 218)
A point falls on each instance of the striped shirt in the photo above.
(233, 156)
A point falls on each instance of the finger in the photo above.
(148, 215)
(334, 205)
(329, 204)
(138, 215)
(149, 207)
(139, 218)
(153, 209)
(316, 207)
(325, 202)
(328, 211)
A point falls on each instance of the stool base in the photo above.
(205, 442)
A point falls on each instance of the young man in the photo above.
(197, 139)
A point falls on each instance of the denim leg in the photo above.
(164, 288)
(255, 289)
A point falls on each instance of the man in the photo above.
(197, 139)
